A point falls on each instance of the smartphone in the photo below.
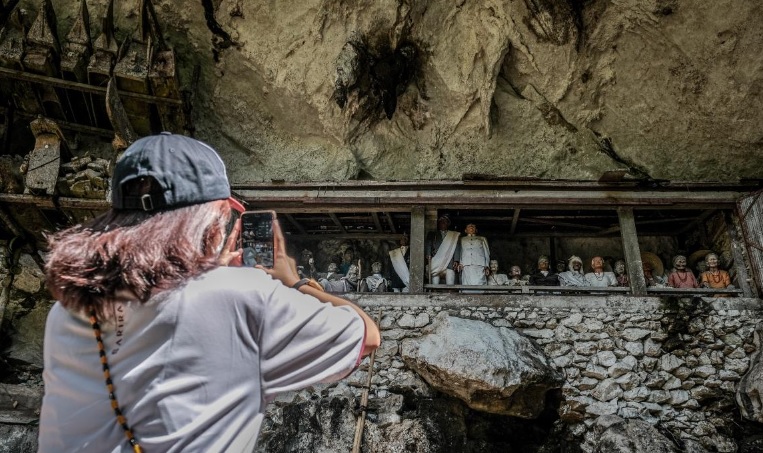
(257, 238)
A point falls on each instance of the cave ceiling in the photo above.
(327, 90)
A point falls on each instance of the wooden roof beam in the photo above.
(390, 222)
(377, 222)
(337, 222)
(515, 221)
(296, 224)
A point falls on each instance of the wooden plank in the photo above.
(296, 224)
(384, 199)
(557, 223)
(36, 200)
(390, 222)
(632, 251)
(515, 221)
(394, 236)
(417, 250)
(506, 184)
(377, 223)
(84, 87)
(531, 289)
(337, 222)
(106, 133)
(696, 222)
(322, 236)
(750, 214)
(708, 292)
(743, 278)
(616, 228)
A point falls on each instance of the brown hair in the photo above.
(133, 251)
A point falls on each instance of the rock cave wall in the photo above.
(323, 90)
(551, 89)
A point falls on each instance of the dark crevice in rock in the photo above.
(554, 117)
(577, 18)
(504, 77)
(378, 75)
(555, 21)
(586, 16)
(451, 426)
(364, 175)
(605, 145)
(665, 7)
(221, 39)
(679, 316)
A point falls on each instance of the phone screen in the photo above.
(257, 238)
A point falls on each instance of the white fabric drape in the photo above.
(398, 263)
(441, 259)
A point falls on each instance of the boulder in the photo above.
(492, 369)
(19, 414)
(27, 338)
(321, 422)
(18, 438)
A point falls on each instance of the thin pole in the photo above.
(360, 423)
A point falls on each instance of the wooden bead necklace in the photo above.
(121, 419)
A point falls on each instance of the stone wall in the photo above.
(674, 363)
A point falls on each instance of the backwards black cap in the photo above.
(186, 170)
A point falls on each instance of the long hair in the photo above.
(133, 251)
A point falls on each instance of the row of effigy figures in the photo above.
(450, 255)
(679, 277)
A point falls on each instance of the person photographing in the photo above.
(156, 343)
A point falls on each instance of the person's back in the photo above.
(194, 366)
(154, 345)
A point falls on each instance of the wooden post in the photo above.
(417, 250)
(632, 251)
(737, 245)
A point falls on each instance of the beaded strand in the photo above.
(121, 419)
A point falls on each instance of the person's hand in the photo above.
(487, 271)
(284, 267)
(230, 254)
(460, 267)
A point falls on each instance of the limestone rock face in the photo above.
(19, 413)
(27, 340)
(492, 369)
(542, 88)
(297, 422)
(749, 394)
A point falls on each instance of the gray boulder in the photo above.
(19, 414)
(492, 369)
(27, 337)
(18, 438)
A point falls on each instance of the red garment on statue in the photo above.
(678, 279)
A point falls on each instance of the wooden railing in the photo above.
(577, 290)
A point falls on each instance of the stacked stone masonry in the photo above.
(670, 362)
